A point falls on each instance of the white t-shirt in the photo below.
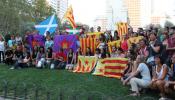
(2, 48)
(144, 71)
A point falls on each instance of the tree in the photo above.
(41, 10)
(168, 24)
(16, 16)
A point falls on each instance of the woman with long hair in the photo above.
(40, 59)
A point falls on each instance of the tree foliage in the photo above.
(20, 15)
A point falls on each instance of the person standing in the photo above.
(2, 49)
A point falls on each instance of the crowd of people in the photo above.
(151, 59)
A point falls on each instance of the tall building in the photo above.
(115, 12)
(144, 12)
(60, 6)
(102, 22)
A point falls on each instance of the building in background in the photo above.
(144, 12)
(102, 22)
(115, 12)
(60, 6)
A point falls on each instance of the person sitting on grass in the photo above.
(70, 60)
(59, 61)
(25, 62)
(34, 55)
(120, 53)
(160, 75)
(49, 56)
(9, 56)
(114, 52)
(103, 53)
(40, 59)
(169, 85)
(139, 83)
(88, 52)
(97, 53)
(78, 53)
(18, 57)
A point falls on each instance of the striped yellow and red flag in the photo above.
(85, 64)
(122, 28)
(88, 42)
(135, 39)
(94, 34)
(114, 43)
(70, 17)
(111, 67)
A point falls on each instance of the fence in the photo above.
(16, 91)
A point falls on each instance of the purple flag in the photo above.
(38, 40)
(29, 39)
(66, 42)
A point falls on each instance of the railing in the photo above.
(15, 91)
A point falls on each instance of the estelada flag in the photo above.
(70, 17)
(111, 67)
(85, 64)
(88, 42)
(122, 28)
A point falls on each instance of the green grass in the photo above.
(81, 85)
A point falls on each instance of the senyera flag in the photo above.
(50, 24)
(122, 28)
(85, 64)
(111, 67)
(88, 42)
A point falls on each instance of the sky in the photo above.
(85, 11)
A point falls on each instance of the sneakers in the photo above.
(163, 98)
(12, 68)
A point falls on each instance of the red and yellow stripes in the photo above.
(111, 67)
(122, 28)
(114, 43)
(88, 42)
(70, 17)
(85, 64)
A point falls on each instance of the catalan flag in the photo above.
(85, 64)
(135, 39)
(70, 17)
(88, 42)
(122, 28)
(94, 34)
(114, 43)
(111, 67)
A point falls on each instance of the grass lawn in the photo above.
(81, 85)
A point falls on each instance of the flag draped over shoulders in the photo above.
(114, 43)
